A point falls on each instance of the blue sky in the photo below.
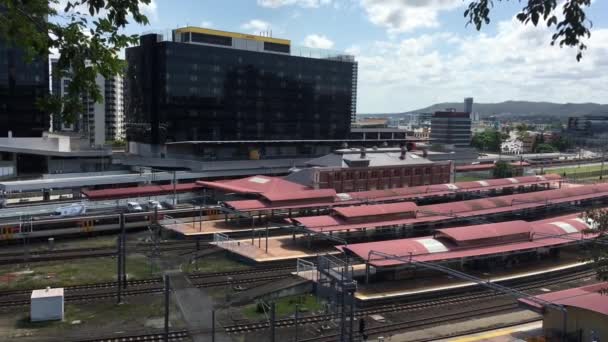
(413, 53)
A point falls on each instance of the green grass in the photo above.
(467, 178)
(285, 306)
(73, 272)
(217, 262)
(95, 318)
(575, 169)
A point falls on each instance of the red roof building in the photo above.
(322, 198)
(255, 185)
(139, 191)
(462, 209)
(476, 241)
(586, 311)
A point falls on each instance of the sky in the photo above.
(414, 53)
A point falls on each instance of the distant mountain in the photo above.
(514, 108)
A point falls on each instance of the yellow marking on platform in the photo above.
(498, 333)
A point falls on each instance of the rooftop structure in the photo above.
(455, 211)
(586, 310)
(477, 241)
(377, 196)
(370, 169)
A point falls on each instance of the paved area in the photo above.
(194, 227)
(523, 332)
(440, 332)
(426, 284)
(196, 308)
(277, 248)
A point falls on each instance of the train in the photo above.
(67, 226)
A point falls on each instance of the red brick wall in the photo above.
(376, 178)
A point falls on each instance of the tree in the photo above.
(598, 252)
(544, 148)
(570, 31)
(85, 33)
(488, 140)
(502, 169)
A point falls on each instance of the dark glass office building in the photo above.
(21, 84)
(209, 85)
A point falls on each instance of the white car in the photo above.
(134, 207)
(154, 205)
(71, 210)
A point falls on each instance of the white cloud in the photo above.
(318, 42)
(150, 10)
(206, 23)
(256, 26)
(407, 15)
(300, 3)
(516, 63)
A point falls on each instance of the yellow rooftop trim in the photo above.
(233, 35)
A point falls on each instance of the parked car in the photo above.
(134, 207)
(154, 205)
(75, 209)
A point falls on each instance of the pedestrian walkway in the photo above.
(196, 308)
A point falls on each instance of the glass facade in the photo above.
(184, 91)
(21, 84)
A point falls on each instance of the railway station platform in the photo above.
(515, 326)
(277, 248)
(428, 285)
(193, 227)
(522, 332)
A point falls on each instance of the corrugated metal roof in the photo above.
(255, 184)
(470, 208)
(376, 209)
(486, 231)
(410, 247)
(322, 194)
(148, 190)
(586, 297)
(404, 193)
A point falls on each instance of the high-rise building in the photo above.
(100, 122)
(468, 105)
(451, 128)
(22, 84)
(209, 85)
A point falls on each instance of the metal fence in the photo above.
(241, 247)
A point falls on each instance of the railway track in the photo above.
(89, 292)
(180, 335)
(425, 322)
(408, 306)
(92, 252)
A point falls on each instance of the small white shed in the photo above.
(46, 305)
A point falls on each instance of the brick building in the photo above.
(361, 170)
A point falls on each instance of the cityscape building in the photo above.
(100, 122)
(451, 128)
(210, 85)
(22, 84)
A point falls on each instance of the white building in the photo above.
(100, 122)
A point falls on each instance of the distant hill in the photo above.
(515, 108)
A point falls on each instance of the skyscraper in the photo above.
(22, 84)
(451, 128)
(99, 122)
(468, 105)
(209, 85)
